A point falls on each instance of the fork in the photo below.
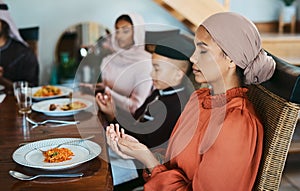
(67, 142)
(36, 123)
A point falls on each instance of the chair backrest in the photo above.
(286, 81)
(31, 36)
(274, 104)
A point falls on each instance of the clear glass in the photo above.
(23, 94)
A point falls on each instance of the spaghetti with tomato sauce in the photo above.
(56, 155)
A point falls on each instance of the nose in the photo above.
(152, 74)
(193, 58)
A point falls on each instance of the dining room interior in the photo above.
(67, 31)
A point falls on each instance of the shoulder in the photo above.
(20, 47)
(17, 44)
(242, 119)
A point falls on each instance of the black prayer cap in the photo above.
(3, 6)
(178, 47)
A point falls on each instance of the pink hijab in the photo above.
(240, 40)
(13, 30)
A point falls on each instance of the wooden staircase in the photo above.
(193, 12)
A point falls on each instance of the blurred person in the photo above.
(126, 73)
(218, 140)
(153, 122)
(17, 61)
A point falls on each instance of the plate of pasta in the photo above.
(50, 92)
(69, 155)
(61, 106)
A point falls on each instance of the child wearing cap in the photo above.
(153, 122)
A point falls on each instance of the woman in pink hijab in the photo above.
(126, 72)
(217, 142)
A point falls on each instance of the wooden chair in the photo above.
(291, 24)
(277, 104)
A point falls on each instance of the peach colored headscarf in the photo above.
(240, 40)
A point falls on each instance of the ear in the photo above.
(179, 75)
(231, 64)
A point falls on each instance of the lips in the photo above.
(195, 70)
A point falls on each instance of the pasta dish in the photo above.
(48, 90)
(56, 155)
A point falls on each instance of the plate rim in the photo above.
(19, 155)
(61, 113)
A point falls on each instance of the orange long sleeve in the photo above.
(232, 161)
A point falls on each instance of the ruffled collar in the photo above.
(210, 101)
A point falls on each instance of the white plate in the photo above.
(65, 91)
(43, 106)
(2, 87)
(29, 155)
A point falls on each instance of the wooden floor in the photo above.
(285, 46)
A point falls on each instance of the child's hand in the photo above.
(106, 105)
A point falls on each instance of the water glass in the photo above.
(23, 94)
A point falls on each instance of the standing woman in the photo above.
(126, 73)
(217, 142)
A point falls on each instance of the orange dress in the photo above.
(216, 145)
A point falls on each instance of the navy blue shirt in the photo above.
(19, 62)
(153, 123)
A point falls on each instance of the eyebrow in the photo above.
(155, 64)
(201, 44)
(126, 27)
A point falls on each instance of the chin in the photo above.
(158, 87)
(200, 79)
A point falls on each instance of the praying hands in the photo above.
(128, 147)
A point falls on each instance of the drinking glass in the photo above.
(23, 94)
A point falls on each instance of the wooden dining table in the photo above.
(14, 129)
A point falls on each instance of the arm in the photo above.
(30, 68)
(106, 105)
(7, 83)
(128, 147)
(138, 151)
(230, 164)
(136, 98)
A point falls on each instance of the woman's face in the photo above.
(209, 61)
(124, 34)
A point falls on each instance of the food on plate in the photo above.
(47, 90)
(56, 155)
(66, 107)
(52, 107)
